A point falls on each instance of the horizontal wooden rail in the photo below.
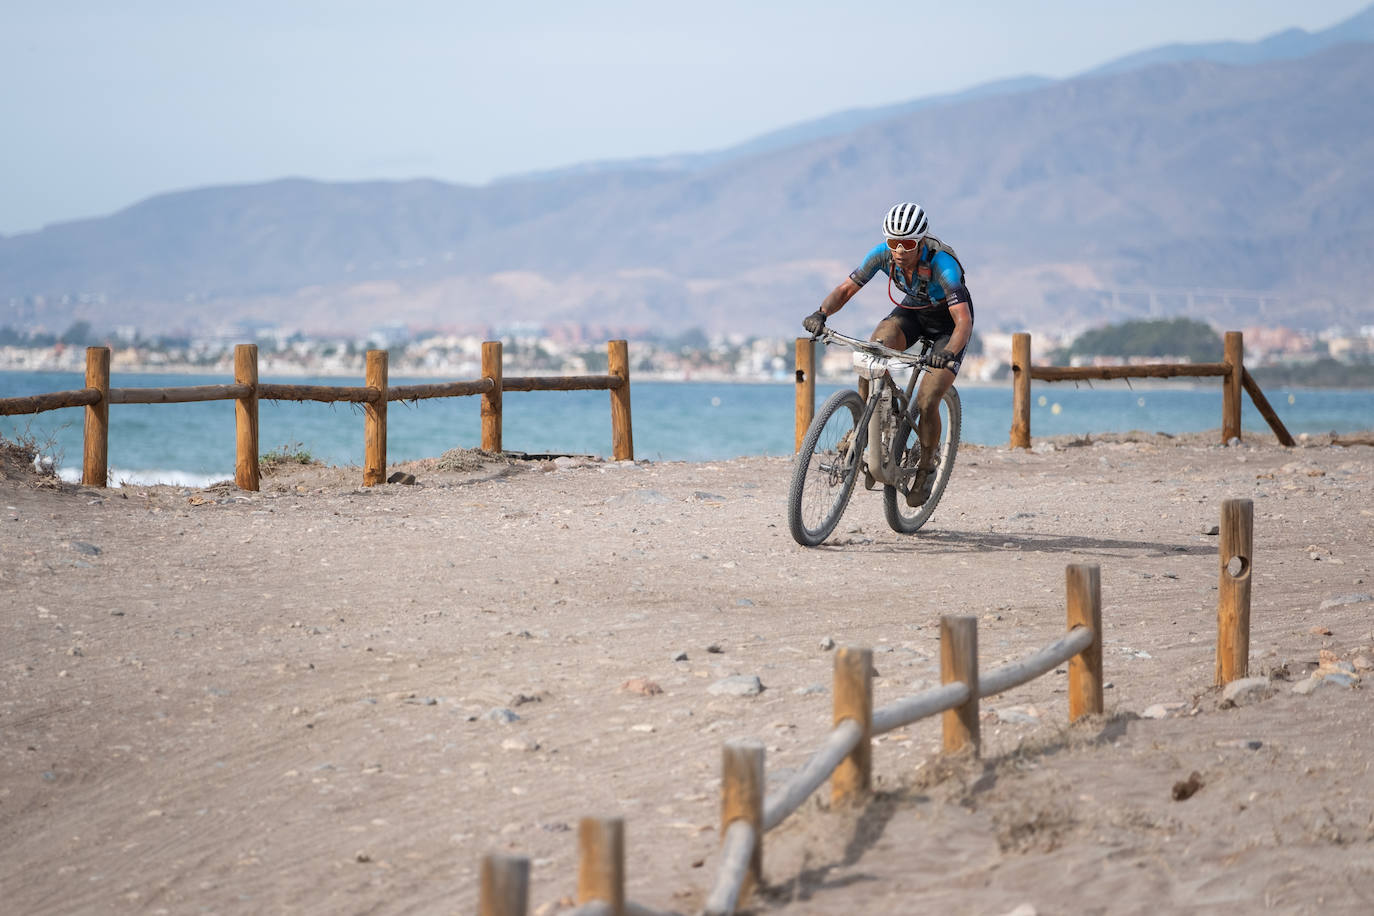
(736, 851)
(1031, 667)
(187, 395)
(923, 705)
(1149, 370)
(561, 382)
(38, 403)
(439, 390)
(787, 799)
(325, 393)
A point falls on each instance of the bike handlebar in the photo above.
(872, 347)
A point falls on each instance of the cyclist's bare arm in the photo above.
(841, 294)
(963, 327)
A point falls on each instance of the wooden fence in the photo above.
(374, 395)
(1231, 370)
(845, 755)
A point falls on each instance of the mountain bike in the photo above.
(876, 437)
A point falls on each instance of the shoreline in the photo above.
(268, 375)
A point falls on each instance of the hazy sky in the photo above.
(107, 103)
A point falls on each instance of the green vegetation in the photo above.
(1174, 338)
(283, 456)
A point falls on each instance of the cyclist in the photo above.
(935, 305)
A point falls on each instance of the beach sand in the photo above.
(295, 701)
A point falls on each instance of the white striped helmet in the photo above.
(906, 221)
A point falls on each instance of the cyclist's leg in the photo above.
(890, 333)
(928, 397)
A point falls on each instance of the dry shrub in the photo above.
(18, 461)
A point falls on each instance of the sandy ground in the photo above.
(321, 698)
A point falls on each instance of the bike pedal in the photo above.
(869, 482)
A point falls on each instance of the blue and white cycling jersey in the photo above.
(942, 273)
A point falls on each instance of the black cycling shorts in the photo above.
(933, 324)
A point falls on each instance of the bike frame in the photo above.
(877, 416)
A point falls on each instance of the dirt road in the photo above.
(321, 698)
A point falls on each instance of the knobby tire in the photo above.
(906, 519)
(822, 477)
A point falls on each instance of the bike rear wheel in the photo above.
(825, 469)
(906, 454)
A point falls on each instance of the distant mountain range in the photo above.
(1229, 179)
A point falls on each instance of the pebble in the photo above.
(1247, 690)
(502, 715)
(89, 550)
(642, 686)
(1023, 715)
(827, 644)
(1244, 744)
(520, 744)
(1339, 600)
(680, 656)
(810, 690)
(1162, 710)
(739, 685)
(1211, 529)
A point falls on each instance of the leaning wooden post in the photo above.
(491, 401)
(622, 435)
(806, 387)
(1232, 385)
(1085, 668)
(741, 799)
(505, 887)
(246, 474)
(854, 700)
(1233, 593)
(601, 865)
(1020, 390)
(374, 439)
(959, 662)
(95, 454)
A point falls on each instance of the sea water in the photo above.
(193, 444)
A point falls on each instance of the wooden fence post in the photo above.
(622, 435)
(806, 387)
(1231, 386)
(1085, 668)
(601, 865)
(246, 474)
(95, 455)
(1233, 592)
(491, 401)
(959, 662)
(1020, 390)
(741, 798)
(505, 886)
(374, 438)
(853, 699)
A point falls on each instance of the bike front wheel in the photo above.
(825, 469)
(902, 516)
